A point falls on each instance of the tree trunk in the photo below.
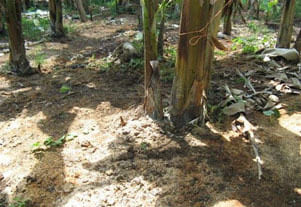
(56, 18)
(286, 25)
(249, 4)
(254, 7)
(81, 10)
(298, 42)
(69, 4)
(17, 56)
(2, 27)
(194, 60)
(257, 9)
(227, 13)
(140, 18)
(161, 35)
(86, 5)
(27, 4)
(152, 101)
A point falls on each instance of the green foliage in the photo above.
(272, 113)
(262, 37)
(49, 142)
(298, 9)
(111, 4)
(215, 113)
(271, 8)
(105, 64)
(136, 63)
(36, 144)
(144, 146)
(38, 56)
(34, 29)
(138, 44)
(239, 80)
(219, 52)
(253, 27)
(65, 89)
(249, 45)
(19, 202)
(5, 68)
(70, 28)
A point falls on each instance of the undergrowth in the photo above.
(34, 29)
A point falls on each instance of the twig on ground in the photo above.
(249, 129)
(247, 81)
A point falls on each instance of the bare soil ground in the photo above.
(106, 162)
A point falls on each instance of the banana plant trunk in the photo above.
(56, 18)
(17, 56)
(153, 99)
(298, 42)
(286, 25)
(228, 13)
(194, 59)
(81, 10)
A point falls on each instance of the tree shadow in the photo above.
(39, 96)
(219, 170)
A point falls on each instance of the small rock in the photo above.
(234, 109)
(1, 177)
(274, 98)
(129, 48)
(68, 187)
(109, 172)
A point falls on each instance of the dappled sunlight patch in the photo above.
(136, 192)
(291, 122)
(194, 142)
(298, 191)
(91, 85)
(229, 203)
(91, 142)
(227, 135)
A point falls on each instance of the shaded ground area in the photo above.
(115, 156)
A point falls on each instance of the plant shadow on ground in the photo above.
(30, 96)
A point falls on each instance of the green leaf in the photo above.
(60, 141)
(49, 141)
(275, 113)
(36, 144)
(65, 89)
